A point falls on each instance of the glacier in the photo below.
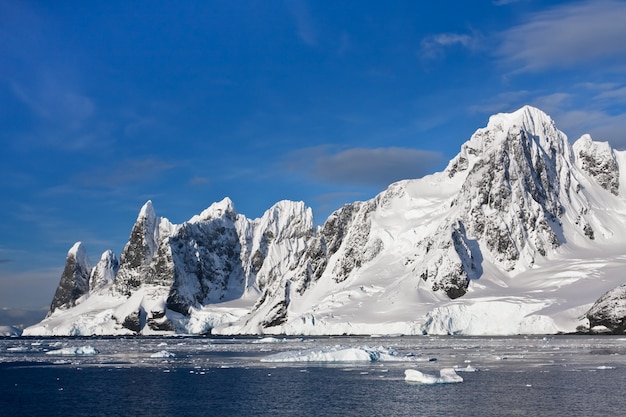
(521, 233)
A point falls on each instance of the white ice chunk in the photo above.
(18, 349)
(446, 376)
(468, 368)
(163, 354)
(75, 351)
(269, 340)
(339, 354)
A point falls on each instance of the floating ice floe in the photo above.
(269, 340)
(468, 368)
(446, 376)
(341, 354)
(75, 351)
(18, 349)
(163, 354)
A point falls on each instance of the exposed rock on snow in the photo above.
(610, 311)
(494, 244)
(598, 160)
(74, 280)
(103, 274)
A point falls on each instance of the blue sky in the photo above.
(106, 104)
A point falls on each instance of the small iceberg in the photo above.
(446, 376)
(468, 368)
(18, 349)
(269, 340)
(75, 351)
(163, 354)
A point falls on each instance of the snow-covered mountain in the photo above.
(521, 233)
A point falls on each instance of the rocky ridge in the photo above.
(514, 195)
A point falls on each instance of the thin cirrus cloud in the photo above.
(567, 36)
(125, 172)
(303, 21)
(434, 46)
(377, 167)
(618, 95)
(505, 2)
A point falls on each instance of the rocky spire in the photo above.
(103, 274)
(74, 280)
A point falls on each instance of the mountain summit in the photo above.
(521, 233)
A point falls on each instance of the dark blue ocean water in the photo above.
(568, 376)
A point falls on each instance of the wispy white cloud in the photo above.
(303, 20)
(124, 172)
(199, 181)
(616, 94)
(503, 102)
(376, 167)
(505, 2)
(566, 36)
(552, 102)
(602, 125)
(434, 46)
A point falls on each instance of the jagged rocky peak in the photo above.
(285, 222)
(598, 160)
(515, 183)
(527, 124)
(287, 219)
(74, 280)
(217, 210)
(145, 242)
(103, 274)
(143, 238)
(147, 211)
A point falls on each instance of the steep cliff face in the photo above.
(436, 254)
(103, 274)
(598, 160)
(146, 258)
(74, 281)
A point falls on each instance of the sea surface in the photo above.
(203, 376)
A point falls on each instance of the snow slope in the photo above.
(520, 234)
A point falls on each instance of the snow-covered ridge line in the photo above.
(520, 234)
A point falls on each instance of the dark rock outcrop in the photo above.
(74, 280)
(610, 311)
